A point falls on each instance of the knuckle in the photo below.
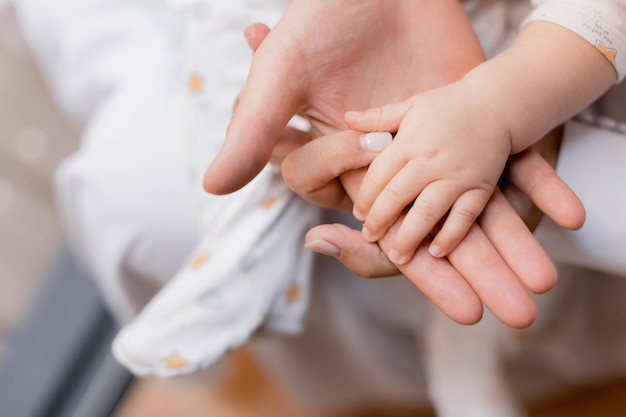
(466, 215)
(425, 210)
(393, 196)
(377, 115)
(374, 176)
(376, 221)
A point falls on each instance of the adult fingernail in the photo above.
(375, 141)
(323, 247)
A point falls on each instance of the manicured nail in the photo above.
(323, 247)
(435, 251)
(375, 141)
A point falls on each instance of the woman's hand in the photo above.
(496, 261)
(325, 57)
(495, 264)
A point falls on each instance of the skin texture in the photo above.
(452, 142)
(326, 57)
(485, 267)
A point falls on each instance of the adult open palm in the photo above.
(325, 57)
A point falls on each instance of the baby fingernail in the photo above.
(435, 251)
(323, 247)
(394, 256)
(375, 141)
(357, 214)
(367, 235)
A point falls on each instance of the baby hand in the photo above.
(445, 161)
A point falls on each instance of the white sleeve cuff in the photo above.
(599, 22)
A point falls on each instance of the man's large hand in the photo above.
(327, 56)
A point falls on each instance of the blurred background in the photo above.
(34, 137)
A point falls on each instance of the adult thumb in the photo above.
(272, 95)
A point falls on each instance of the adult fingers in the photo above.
(530, 172)
(492, 279)
(435, 277)
(348, 246)
(516, 245)
(445, 284)
(312, 170)
(381, 119)
(255, 34)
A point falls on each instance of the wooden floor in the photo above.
(247, 392)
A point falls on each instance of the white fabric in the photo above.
(234, 283)
(601, 243)
(115, 65)
(602, 23)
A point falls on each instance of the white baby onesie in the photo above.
(250, 268)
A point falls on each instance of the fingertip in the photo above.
(364, 259)
(357, 213)
(436, 251)
(578, 218)
(224, 177)
(520, 315)
(568, 212)
(465, 312)
(368, 236)
(324, 247)
(375, 141)
(394, 256)
(545, 281)
(468, 317)
(352, 115)
(255, 34)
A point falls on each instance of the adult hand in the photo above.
(498, 260)
(489, 276)
(325, 57)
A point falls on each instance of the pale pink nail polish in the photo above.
(323, 247)
(375, 141)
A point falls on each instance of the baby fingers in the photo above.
(378, 175)
(378, 119)
(431, 205)
(462, 215)
(392, 199)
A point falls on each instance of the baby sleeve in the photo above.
(602, 23)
